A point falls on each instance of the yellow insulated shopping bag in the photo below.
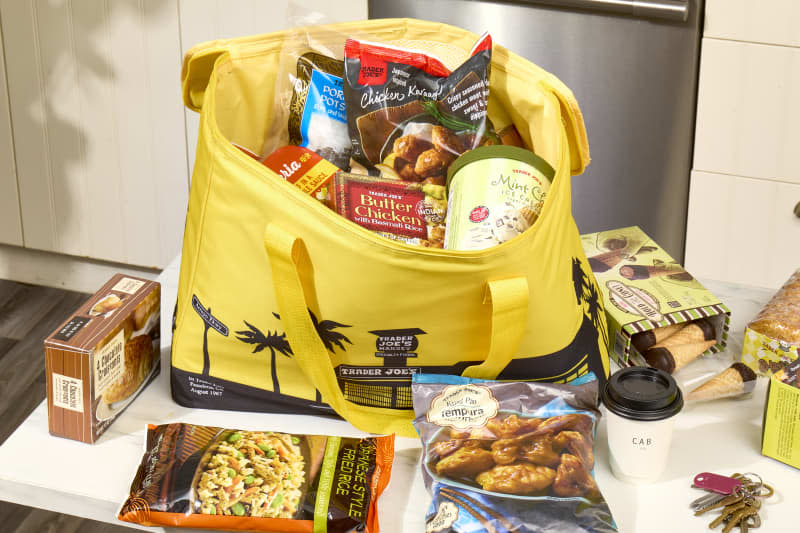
(285, 306)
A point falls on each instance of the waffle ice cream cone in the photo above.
(607, 260)
(635, 272)
(647, 339)
(692, 333)
(672, 358)
(529, 215)
(732, 381)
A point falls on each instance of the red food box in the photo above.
(409, 212)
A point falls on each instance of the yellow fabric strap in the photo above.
(198, 65)
(509, 301)
(293, 278)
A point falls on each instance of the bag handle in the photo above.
(293, 277)
(572, 118)
(198, 64)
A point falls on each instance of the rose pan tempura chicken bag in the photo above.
(505, 457)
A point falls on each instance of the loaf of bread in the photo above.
(780, 318)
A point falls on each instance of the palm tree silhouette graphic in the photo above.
(277, 343)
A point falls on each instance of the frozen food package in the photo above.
(506, 456)
(311, 173)
(412, 213)
(309, 105)
(408, 115)
(235, 480)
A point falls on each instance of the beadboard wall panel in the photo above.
(742, 230)
(760, 21)
(748, 110)
(207, 20)
(10, 223)
(98, 126)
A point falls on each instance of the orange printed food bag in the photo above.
(214, 478)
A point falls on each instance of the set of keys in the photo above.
(738, 497)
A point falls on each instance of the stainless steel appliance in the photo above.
(632, 65)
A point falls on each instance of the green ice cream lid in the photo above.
(499, 151)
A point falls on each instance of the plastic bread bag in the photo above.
(509, 456)
(778, 324)
(214, 478)
(309, 108)
(408, 114)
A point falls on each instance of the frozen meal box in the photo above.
(99, 360)
(644, 290)
(780, 437)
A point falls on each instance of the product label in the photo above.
(634, 300)
(109, 362)
(128, 285)
(67, 393)
(307, 170)
(493, 201)
(445, 517)
(325, 96)
(71, 328)
(463, 407)
(382, 207)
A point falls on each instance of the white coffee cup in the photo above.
(641, 404)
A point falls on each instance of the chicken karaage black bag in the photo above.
(408, 114)
(509, 456)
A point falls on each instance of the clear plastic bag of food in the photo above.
(309, 108)
(780, 318)
(509, 456)
(214, 478)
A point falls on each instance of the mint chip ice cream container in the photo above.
(494, 194)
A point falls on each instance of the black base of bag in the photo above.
(207, 392)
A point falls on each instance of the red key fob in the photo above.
(716, 483)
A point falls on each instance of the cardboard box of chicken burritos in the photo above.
(101, 358)
(644, 288)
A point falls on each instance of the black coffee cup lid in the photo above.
(641, 393)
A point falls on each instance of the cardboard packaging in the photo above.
(101, 358)
(780, 437)
(644, 288)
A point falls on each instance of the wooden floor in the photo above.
(27, 315)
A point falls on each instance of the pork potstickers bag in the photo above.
(285, 306)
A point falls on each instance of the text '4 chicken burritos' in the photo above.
(214, 478)
(509, 456)
(407, 111)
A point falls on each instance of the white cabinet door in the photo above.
(748, 110)
(207, 20)
(10, 225)
(760, 21)
(98, 126)
(742, 230)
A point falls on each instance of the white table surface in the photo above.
(91, 481)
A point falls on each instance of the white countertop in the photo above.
(91, 481)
